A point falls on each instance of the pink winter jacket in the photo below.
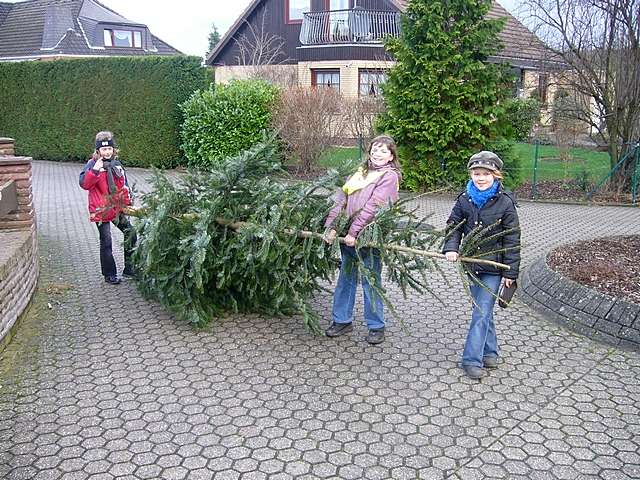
(362, 205)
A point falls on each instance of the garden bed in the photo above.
(608, 265)
(570, 191)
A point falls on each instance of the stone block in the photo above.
(603, 308)
(607, 327)
(623, 313)
(630, 335)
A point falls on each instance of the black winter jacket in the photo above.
(497, 215)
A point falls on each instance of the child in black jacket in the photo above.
(484, 204)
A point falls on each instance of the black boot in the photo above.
(375, 336)
(337, 329)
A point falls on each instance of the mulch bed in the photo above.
(608, 265)
(552, 190)
(569, 191)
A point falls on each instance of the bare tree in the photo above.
(262, 53)
(362, 111)
(599, 40)
(310, 122)
(360, 115)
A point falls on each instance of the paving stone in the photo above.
(96, 390)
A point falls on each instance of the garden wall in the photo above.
(19, 252)
(600, 317)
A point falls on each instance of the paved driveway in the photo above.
(104, 384)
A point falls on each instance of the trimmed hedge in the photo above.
(223, 122)
(54, 109)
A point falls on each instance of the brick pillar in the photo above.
(18, 243)
(7, 146)
(19, 170)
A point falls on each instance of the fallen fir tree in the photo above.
(242, 239)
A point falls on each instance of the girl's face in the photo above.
(106, 152)
(380, 154)
(482, 178)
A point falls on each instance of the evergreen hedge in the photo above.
(54, 109)
(223, 122)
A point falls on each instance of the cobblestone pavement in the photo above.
(100, 383)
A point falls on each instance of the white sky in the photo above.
(186, 24)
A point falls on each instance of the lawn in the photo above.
(582, 162)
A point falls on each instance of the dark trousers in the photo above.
(107, 262)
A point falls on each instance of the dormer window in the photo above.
(122, 38)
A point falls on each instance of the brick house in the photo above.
(52, 29)
(338, 43)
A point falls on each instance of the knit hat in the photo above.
(108, 142)
(485, 159)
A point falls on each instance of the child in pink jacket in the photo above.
(373, 186)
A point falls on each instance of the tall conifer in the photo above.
(444, 95)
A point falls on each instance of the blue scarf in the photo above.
(480, 197)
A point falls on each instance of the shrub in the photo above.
(54, 109)
(522, 114)
(220, 122)
(310, 122)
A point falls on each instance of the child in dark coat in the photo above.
(485, 204)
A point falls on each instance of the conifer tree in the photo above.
(214, 38)
(443, 96)
(239, 239)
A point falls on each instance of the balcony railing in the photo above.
(356, 25)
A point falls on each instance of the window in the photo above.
(518, 83)
(370, 81)
(326, 78)
(295, 8)
(122, 38)
(543, 87)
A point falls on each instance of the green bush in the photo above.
(522, 114)
(54, 109)
(444, 99)
(221, 122)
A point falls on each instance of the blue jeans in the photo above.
(481, 339)
(345, 294)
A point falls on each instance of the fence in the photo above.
(551, 173)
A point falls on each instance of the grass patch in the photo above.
(337, 156)
(582, 162)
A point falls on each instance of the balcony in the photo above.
(356, 25)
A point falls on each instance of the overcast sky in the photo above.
(186, 24)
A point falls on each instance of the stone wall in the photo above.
(600, 317)
(19, 252)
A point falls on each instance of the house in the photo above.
(338, 43)
(52, 29)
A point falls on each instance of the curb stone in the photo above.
(581, 309)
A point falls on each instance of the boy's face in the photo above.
(380, 154)
(482, 178)
(106, 152)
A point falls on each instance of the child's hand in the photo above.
(99, 164)
(350, 241)
(451, 256)
(330, 236)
